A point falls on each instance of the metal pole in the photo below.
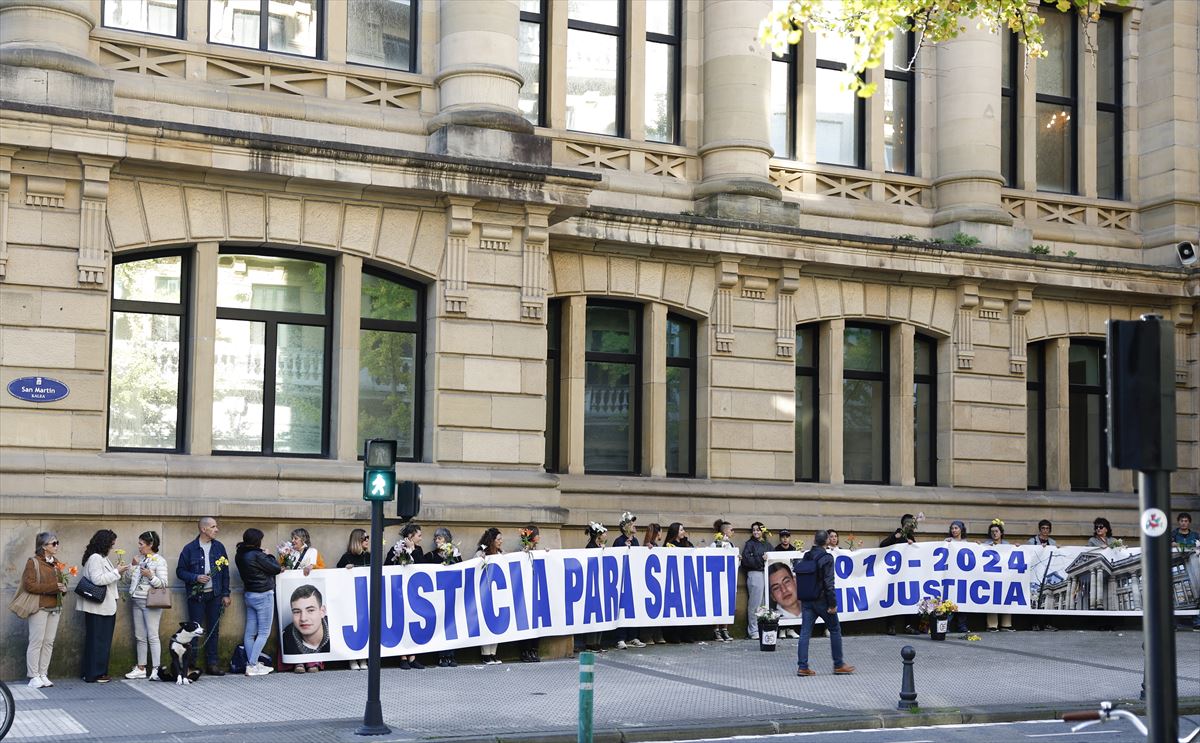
(1158, 613)
(373, 714)
(587, 675)
(908, 682)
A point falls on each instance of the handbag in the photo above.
(24, 604)
(158, 598)
(85, 588)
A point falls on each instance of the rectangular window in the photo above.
(681, 396)
(531, 50)
(1057, 83)
(1035, 417)
(925, 410)
(807, 428)
(612, 388)
(595, 66)
(288, 26)
(272, 346)
(865, 404)
(1009, 120)
(146, 393)
(553, 381)
(782, 104)
(389, 363)
(899, 104)
(1109, 166)
(160, 17)
(839, 112)
(1089, 445)
(381, 33)
(663, 43)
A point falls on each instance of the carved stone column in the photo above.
(785, 320)
(964, 338)
(6, 154)
(93, 220)
(727, 278)
(459, 215)
(533, 263)
(1018, 344)
(45, 54)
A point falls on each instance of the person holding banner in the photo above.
(722, 539)
(825, 607)
(530, 536)
(444, 552)
(626, 636)
(754, 561)
(652, 635)
(677, 536)
(407, 549)
(958, 533)
(785, 541)
(597, 535)
(357, 555)
(491, 543)
(1102, 535)
(906, 533)
(996, 537)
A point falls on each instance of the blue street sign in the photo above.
(38, 389)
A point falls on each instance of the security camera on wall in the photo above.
(1187, 253)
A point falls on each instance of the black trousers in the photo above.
(97, 643)
(205, 610)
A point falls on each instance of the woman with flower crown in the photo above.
(722, 539)
(627, 636)
(491, 543)
(996, 537)
(597, 535)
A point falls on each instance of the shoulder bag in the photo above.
(26, 604)
(158, 598)
(86, 589)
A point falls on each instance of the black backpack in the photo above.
(808, 578)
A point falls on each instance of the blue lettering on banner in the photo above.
(626, 605)
(393, 621)
(611, 590)
(448, 582)
(357, 634)
(541, 595)
(592, 610)
(672, 599)
(422, 608)
(714, 565)
(517, 581)
(496, 620)
(573, 590)
(654, 603)
(469, 607)
(693, 585)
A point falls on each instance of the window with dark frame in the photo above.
(612, 426)
(865, 415)
(783, 104)
(159, 17)
(595, 68)
(1109, 154)
(1057, 91)
(925, 410)
(899, 105)
(1009, 120)
(531, 44)
(681, 396)
(1087, 414)
(382, 33)
(283, 26)
(391, 362)
(664, 21)
(272, 351)
(840, 114)
(553, 382)
(807, 390)
(147, 393)
(1035, 417)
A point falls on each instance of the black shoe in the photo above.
(908, 630)
(485, 660)
(214, 671)
(442, 663)
(451, 663)
(891, 631)
(406, 665)
(416, 665)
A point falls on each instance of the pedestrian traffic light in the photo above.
(408, 500)
(379, 470)
(1141, 394)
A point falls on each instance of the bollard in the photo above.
(587, 675)
(908, 684)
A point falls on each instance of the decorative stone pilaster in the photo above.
(1018, 343)
(785, 320)
(1182, 315)
(727, 278)
(459, 214)
(6, 154)
(533, 264)
(93, 220)
(964, 341)
(34, 69)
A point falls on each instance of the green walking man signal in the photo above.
(379, 470)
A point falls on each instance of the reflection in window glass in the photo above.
(864, 389)
(1054, 71)
(1108, 107)
(924, 411)
(592, 82)
(270, 283)
(379, 33)
(781, 107)
(1035, 418)
(680, 395)
(1055, 143)
(389, 387)
(299, 389)
(611, 378)
(553, 346)
(529, 64)
(806, 404)
(660, 17)
(612, 329)
(387, 300)
(1055, 95)
(660, 91)
(153, 280)
(238, 385)
(603, 12)
(837, 120)
(895, 125)
(291, 25)
(1089, 467)
(146, 16)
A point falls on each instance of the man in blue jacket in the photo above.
(825, 607)
(204, 569)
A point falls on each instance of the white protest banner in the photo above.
(1004, 579)
(520, 595)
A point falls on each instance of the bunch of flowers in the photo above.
(720, 540)
(931, 606)
(288, 557)
(909, 529)
(64, 575)
(851, 543)
(221, 563)
(1116, 544)
(403, 552)
(120, 556)
(766, 534)
(449, 553)
(766, 614)
(529, 540)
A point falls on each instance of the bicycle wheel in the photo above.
(8, 710)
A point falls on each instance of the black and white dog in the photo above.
(183, 655)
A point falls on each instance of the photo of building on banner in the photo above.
(1005, 579)
(503, 598)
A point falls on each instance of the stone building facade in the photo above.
(578, 258)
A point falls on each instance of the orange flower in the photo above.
(74, 570)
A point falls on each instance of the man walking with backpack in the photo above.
(814, 587)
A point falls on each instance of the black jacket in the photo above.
(258, 570)
(360, 560)
(624, 541)
(418, 556)
(754, 554)
(897, 537)
(824, 562)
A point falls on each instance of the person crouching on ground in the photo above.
(824, 607)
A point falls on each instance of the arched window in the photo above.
(865, 427)
(390, 385)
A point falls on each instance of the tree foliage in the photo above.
(872, 24)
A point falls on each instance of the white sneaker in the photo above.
(636, 643)
(36, 682)
(263, 670)
(46, 681)
(136, 673)
(251, 669)
(621, 645)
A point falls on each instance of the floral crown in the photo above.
(595, 527)
(997, 522)
(628, 518)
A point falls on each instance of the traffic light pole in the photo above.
(373, 714)
(1158, 613)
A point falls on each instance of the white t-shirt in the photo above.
(309, 559)
(206, 547)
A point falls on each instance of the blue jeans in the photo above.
(260, 613)
(810, 611)
(205, 610)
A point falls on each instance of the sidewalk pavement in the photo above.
(661, 692)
